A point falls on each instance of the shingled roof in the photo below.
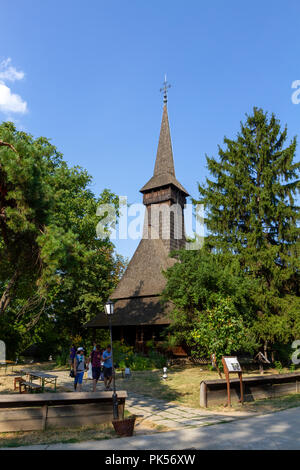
(135, 311)
(164, 171)
(143, 276)
(137, 296)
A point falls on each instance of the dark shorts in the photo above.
(107, 371)
(96, 371)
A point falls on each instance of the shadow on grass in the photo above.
(55, 436)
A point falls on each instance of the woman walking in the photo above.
(79, 368)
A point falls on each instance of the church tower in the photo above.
(164, 197)
(138, 313)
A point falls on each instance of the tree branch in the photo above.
(6, 297)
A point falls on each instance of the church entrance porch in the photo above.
(141, 337)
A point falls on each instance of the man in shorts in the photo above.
(107, 366)
(95, 359)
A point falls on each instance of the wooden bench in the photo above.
(214, 392)
(31, 412)
(43, 377)
(31, 387)
(17, 380)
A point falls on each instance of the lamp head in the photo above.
(109, 307)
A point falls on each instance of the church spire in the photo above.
(164, 171)
(165, 87)
(164, 158)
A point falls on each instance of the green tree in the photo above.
(221, 330)
(55, 274)
(213, 308)
(252, 214)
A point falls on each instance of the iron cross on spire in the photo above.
(164, 89)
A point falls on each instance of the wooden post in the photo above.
(142, 339)
(227, 382)
(228, 390)
(231, 365)
(45, 415)
(203, 395)
(136, 337)
(241, 387)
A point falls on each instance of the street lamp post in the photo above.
(109, 310)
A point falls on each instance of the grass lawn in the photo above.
(16, 439)
(78, 434)
(182, 385)
(268, 405)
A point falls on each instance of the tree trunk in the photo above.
(261, 368)
(6, 296)
(266, 349)
(215, 364)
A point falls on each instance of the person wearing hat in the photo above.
(79, 368)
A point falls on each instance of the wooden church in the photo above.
(138, 313)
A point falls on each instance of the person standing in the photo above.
(79, 368)
(95, 359)
(72, 355)
(107, 366)
(102, 367)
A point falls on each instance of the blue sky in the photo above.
(87, 75)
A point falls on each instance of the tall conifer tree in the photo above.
(253, 215)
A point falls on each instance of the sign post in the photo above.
(232, 365)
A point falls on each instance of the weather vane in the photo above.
(164, 89)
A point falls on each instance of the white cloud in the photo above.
(10, 102)
(10, 73)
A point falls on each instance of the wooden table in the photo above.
(44, 378)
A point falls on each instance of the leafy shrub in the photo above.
(62, 359)
(278, 366)
(125, 356)
(158, 360)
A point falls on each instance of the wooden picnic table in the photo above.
(43, 377)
